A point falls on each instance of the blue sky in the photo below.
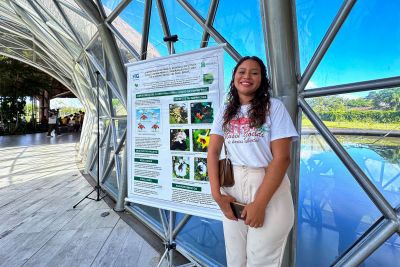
(366, 47)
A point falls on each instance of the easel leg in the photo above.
(83, 198)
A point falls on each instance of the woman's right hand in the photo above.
(224, 202)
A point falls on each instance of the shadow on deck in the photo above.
(39, 184)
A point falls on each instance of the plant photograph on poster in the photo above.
(180, 167)
(200, 169)
(201, 139)
(208, 78)
(178, 113)
(180, 139)
(148, 120)
(201, 112)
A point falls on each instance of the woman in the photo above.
(257, 131)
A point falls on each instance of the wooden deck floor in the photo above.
(38, 226)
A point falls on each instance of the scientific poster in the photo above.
(172, 102)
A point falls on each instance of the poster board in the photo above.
(172, 102)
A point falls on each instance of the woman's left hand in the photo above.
(254, 214)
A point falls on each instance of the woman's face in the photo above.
(247, 80)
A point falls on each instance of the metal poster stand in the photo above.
(97, 188)
(169, 223)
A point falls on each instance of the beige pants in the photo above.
(264, 246)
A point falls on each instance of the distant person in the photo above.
(81, 118)
(76, 122)
(53, 123)
(44, 120)
(65, 120)
(23, 125)
(71, 123)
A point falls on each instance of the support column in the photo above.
(44, 104)
(278, 19)
(110, 47)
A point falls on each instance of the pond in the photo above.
(333, 209)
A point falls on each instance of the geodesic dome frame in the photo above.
(71, 40)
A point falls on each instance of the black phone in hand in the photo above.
(237, 209)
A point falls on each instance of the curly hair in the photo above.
(260, 103)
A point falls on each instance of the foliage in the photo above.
(18, 81)
(361, 116)
(389, 153)
(354, 125)
(359, 103)
(387, 99)
(64, 111)
(11, 108)
(118, 107)
(327, 103)
(379, 110)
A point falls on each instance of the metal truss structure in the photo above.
(72, 39)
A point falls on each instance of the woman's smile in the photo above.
(247, 80)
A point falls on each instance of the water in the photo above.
(333, 210)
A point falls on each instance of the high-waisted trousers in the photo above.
(264, 246)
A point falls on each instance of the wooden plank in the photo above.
(148, 256)
(41, 197)
(38, 225)
(37, 222)
(129, 256)
(61, 220)
(81, 249)
(91, 218)
(51, 249)
(122, 248)
(19, 249)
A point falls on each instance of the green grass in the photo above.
(355, 125)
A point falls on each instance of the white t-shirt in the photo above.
(53, 119)
(251, 146)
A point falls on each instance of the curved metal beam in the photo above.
(280, 48)
(165, 26)
(35, 65)
(90, 9)
(367, 244)
(117, 10)
(373, 193)
(214, 34)
(353, 87)
(212, 11)
(326, 42)
(110, 47)
(145, 30)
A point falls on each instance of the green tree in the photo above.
(328, 103)
(11, 108)
(388, 99)
(359, 103)
(18, 81)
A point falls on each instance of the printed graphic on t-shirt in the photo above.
(239, 131)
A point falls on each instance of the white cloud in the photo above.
(311, 85)
(355, 95)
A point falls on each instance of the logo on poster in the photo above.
(135, 77)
